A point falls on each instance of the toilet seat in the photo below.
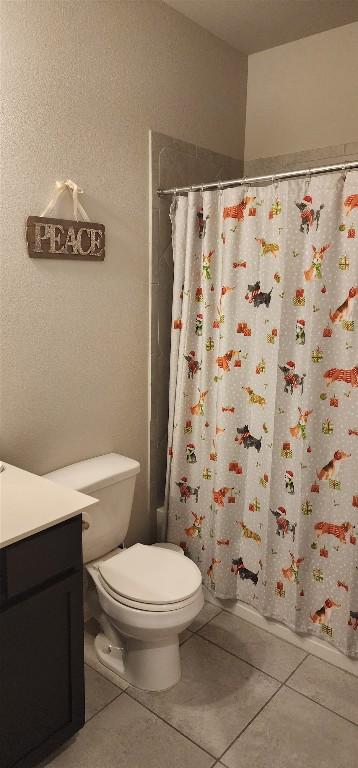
(150, 578)
(149, 607)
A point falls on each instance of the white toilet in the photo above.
(143, 597)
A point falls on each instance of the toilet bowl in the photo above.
(142, 596)
(143, 613)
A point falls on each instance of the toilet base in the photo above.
(147, 666)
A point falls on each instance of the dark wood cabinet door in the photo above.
(41, 672)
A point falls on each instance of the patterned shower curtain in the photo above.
(262, 476)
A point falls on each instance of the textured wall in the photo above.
(82, 84)
(303, 95)
(174, 163)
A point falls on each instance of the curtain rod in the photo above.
(271, 177)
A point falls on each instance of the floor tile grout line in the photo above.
(267, 632)
(282, 682)
(251, 721)
(305, 695)
(239, 658)
(88, 720)
(296, 668)
(218, 758)
(283, 685)
(186, 639)
(304, 635)
(280, 639)
(261, 629)
(196, 631)
(160, 717)
(223, 610)
(102, 674)
(319, 704)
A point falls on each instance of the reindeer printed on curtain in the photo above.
(263, 393)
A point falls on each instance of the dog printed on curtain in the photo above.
(262, 480)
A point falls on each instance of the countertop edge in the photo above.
(26, 533)
(31, 503)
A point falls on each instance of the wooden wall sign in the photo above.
(64, 239)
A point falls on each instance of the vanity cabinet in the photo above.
(41, 643)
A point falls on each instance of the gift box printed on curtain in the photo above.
(290, 323)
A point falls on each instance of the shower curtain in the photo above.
(262, 475)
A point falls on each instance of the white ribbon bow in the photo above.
(74, 190)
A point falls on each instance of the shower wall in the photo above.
(174, 163)
(338, 153)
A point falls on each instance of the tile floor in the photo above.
(246, 700)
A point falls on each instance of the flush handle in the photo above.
(111, 648)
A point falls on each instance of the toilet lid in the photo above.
(148, 574)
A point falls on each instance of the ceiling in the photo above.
(254, 25)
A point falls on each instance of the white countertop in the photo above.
(30, 503)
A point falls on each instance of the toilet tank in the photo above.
(110, 479)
